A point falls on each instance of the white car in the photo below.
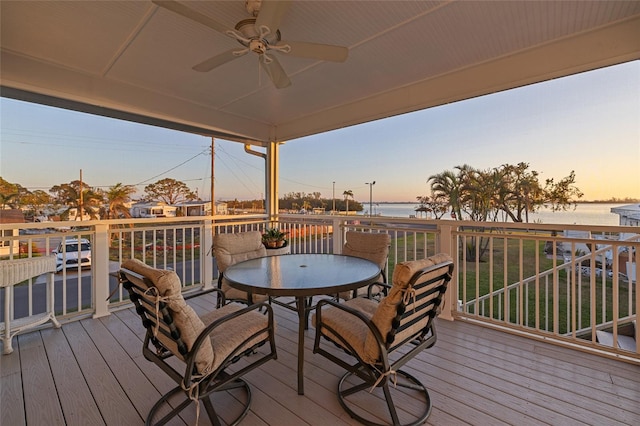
(69, 251)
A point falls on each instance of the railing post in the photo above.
(100, 270)
(337, 236)
(206, 248)
(450, 303)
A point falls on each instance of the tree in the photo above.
(117, 196)
(514, 191)
(562, 195)
(36, 201)
(521, 191)
(170, 191)
(80, 196)
(348, 193)
(445, 186)
(9, 194)
(432, 204)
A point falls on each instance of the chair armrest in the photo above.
(199, 293)
(342, 307)
(385, 288)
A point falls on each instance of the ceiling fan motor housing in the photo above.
(248, 29)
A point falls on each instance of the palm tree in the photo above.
(83, 199)
(117, 197)
(446, 186)
(8, 200)
(348, 193)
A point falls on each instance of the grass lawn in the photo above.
(510, 260)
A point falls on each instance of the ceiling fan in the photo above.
(259, 34)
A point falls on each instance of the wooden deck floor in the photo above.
(92, 372)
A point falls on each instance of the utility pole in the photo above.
(80, 201)
(370, 196)
(213, 204)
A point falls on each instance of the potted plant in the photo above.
(274, 238)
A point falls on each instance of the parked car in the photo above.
(69, 251)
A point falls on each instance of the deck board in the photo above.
(112, 400)
(76, 401)
(93, 372)
(539, 385)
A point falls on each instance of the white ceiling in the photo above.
(135, 57)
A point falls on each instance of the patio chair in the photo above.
(370, 246)
(14, 272)
(206, 345)
(229, 249)
(381, 337)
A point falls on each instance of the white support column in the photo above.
(272, 170)
(450, 303)
(100, 270)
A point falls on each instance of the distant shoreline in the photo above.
(629, 201)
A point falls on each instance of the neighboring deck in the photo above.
(92, 372)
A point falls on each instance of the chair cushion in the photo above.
(230, 249)
(345, 325)
(370, 246)
(231, 293)
(373, 247)
(387, 309)
(228, 337)
(185, 318)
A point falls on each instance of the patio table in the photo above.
(302, 276)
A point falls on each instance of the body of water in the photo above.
(584, 213)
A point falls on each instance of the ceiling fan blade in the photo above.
(276, 73)
(181, 9)
(270, 15)
(324, 52)
(220, 59)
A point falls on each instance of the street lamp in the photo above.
(333, 211)
(370, 196)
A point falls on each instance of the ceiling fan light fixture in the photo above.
(257, 46)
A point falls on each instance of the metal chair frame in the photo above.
(218, 380)
(378, 375)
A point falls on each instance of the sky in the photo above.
(588, 123)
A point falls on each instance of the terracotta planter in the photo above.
(273, 244)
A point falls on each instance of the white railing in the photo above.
(528, 279)
(504, 277)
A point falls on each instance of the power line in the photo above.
(173, 168)
(84, 141)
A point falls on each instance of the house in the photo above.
(154, 209)
(629, 214)
(194, 208)
(8, 244)
(73, 215)
(222, 208)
